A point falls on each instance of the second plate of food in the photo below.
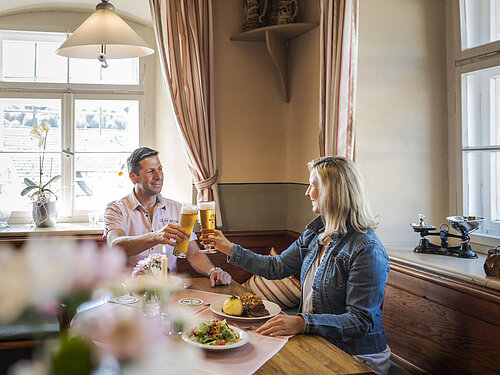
(194, 337)
(272, 307)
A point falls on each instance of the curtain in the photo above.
(338, 68)
(183, 30)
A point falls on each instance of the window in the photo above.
(480, 22)
(94, 118)
(475, 123)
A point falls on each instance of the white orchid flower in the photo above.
(36, 131)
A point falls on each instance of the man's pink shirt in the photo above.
(132, 218)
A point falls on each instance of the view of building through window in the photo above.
(105, 133)
(91, 130)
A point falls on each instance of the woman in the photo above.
(343, 266)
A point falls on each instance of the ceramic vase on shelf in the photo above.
(44, 213)
(273, 10)
(288, 10)
(254, 12)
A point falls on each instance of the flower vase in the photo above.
(44, 213)
(151, 303)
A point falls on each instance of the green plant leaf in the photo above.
(29, 182)
(53, 179)
(26, 190)
(73, 357)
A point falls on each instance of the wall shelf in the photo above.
(276, 38)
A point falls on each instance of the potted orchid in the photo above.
(44, 200)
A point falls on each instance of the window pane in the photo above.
(110, 125)
(481, 108)
(495, 186)
(119, 71)
(29, 56)
(49, 66)
(473, 174)
(495, 131)
(18, 117)
(98, 180)
(16, 166)
(480, 22)
(18, 60)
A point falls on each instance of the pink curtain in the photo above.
(183, 30)
(338, 68)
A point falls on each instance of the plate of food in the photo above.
(247, 306)
(216, 335)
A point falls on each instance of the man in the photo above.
(144, 220)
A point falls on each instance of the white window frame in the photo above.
(67, 92)
(458, 63)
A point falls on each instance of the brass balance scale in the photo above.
(463, 224)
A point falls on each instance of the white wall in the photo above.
(401, 144)
(167, 140)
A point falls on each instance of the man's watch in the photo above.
(214, 269)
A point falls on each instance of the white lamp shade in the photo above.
(104, 27)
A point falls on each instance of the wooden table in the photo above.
(303, 354)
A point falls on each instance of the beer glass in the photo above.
(207, 221)
(188, 218)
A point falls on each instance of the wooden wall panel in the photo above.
(18, 241)
(441, 330)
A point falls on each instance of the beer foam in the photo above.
(190, 210)
(206, 205)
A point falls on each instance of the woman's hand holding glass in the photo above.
(221, 243)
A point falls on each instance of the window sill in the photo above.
(66, 229)
(485, 241)
(468, 270)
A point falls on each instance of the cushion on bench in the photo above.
(285, 292)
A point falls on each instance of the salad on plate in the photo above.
(215, 333)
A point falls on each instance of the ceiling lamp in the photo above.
(104, 35)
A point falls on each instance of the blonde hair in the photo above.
(342, 197)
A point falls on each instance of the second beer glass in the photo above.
(188, 218)
(207, 221)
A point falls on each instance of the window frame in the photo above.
(68, 93)
(458, 63)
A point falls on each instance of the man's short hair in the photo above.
(137, 156)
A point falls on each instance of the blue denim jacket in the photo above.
(348, 288)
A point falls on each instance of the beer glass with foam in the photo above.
(188, 218)
(207, 221)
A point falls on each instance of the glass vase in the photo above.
(151, 303)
